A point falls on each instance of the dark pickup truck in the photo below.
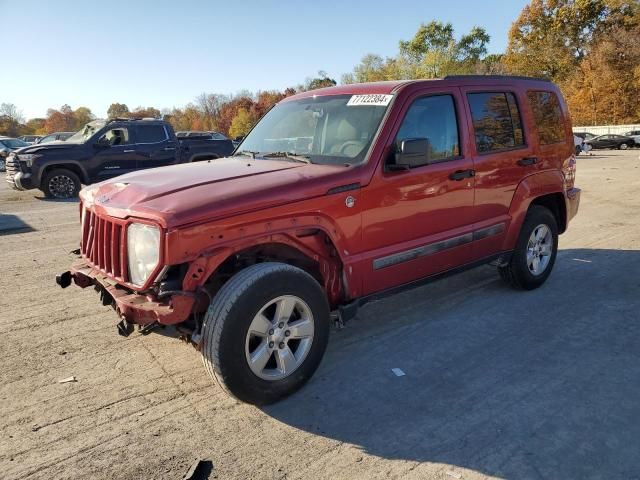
(105, 149)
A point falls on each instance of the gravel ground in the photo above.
(498, 383)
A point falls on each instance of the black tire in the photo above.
(578, 150)
(517, 273)
(623, 146)
(67, 178)
(228, 319)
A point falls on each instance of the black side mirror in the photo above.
(410, 152)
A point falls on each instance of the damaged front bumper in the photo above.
(143, 309)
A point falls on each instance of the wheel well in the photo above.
(269, 252)
(208, 156)
(554, 202)
(71, 167)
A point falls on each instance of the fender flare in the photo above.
(326, 255)
(84, 177)
(530, 188)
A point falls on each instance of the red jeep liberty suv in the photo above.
(335, 197)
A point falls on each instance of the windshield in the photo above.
(86, 132)
(328, 130)
(14, 143)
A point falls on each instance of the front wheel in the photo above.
(535, 253)
(623, 146)
(61, 183)
(265, 332)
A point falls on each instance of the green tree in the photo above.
(321, 81)
(241, 123)
(146, 112)
(433, 52)
(10, 119)
(118, 110)
(82, 116)
(35, 126)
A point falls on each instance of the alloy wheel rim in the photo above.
(279, 338)
(539, 249)
(61, 186)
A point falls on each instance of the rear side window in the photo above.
(433, 118)
(548, 116)
(150, 134)
(496, 121)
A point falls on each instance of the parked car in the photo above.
(635, 134)
(610, 141)
(57, 136)
(578, 142)
(30, 139)
(584, 135)
(8, 145)
(105, 149)
(336, 197)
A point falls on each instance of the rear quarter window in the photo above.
(496, 121)
(548, 116)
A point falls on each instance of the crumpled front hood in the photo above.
(184, 194)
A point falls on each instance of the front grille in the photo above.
(13, 166)
(103, 244)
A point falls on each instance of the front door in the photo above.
(418, 222)
(117, 157)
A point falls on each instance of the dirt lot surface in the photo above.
(498, 383)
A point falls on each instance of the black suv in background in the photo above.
(105, 149)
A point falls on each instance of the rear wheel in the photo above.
(535, 253)
(61, 183)
(265, 332)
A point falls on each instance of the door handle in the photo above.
(462, 174)
(169, 148)
(526, 161)
(129, 151)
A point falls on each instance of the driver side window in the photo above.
(115, 137)
(434, 119)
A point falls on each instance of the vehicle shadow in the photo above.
(10, 224)
(511, 384)
(57, 200)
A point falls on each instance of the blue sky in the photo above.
(164, 53)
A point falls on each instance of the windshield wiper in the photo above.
(288, 155)
(246, 153)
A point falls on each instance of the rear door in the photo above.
(156, 148)
(117, 158)
(502, 157)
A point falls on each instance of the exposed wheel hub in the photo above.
(539, 249)
(279, 338)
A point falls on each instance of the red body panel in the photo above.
(397, 227)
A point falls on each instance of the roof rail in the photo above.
(495, 77)
(132, 119)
